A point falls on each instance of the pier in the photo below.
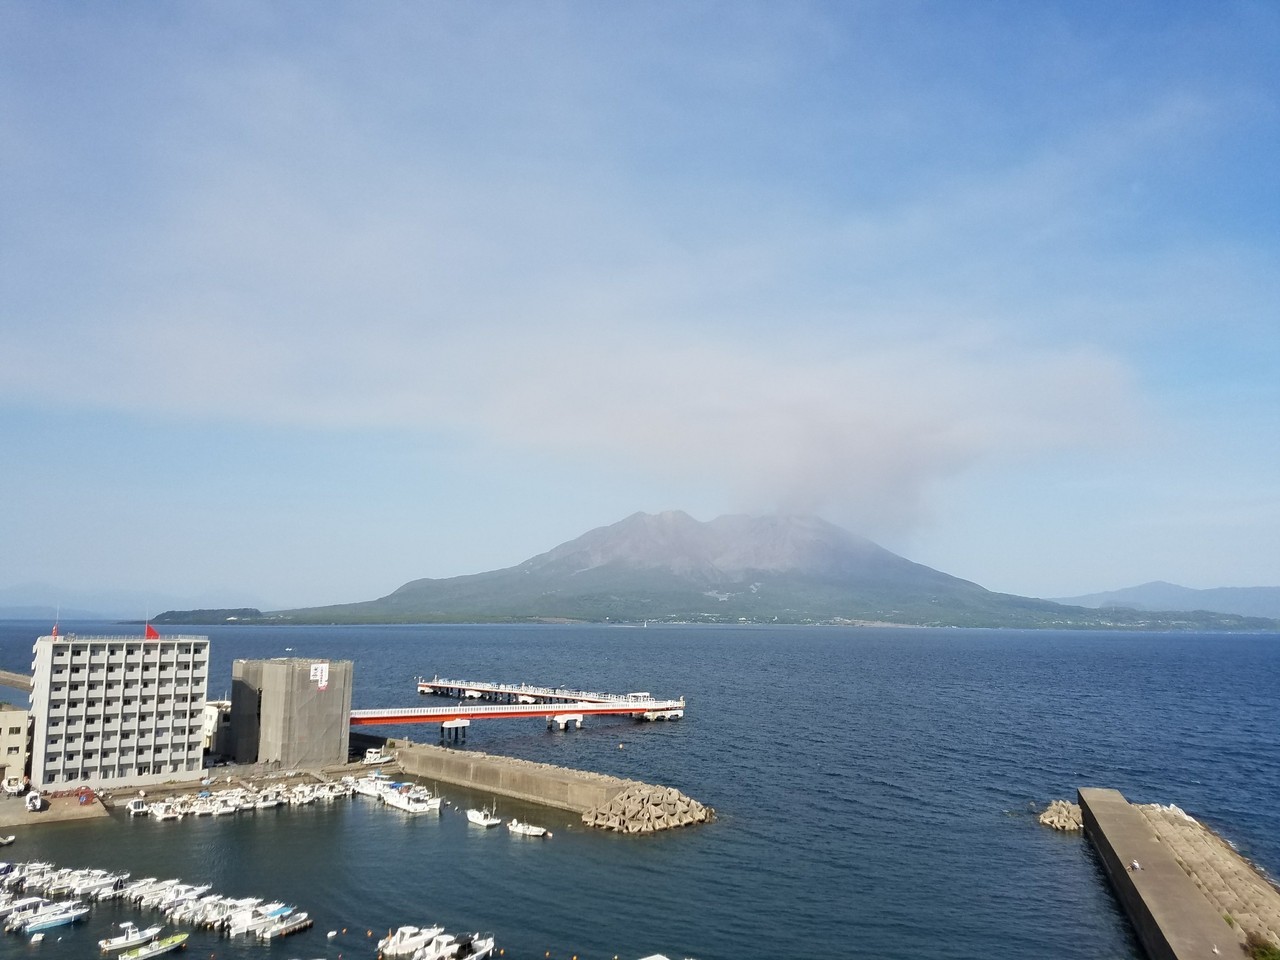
(522, 693)
(562, 714)
(1171, 915)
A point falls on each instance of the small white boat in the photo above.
(520, 828)
(137, 807)
(130, 938)
(407, 941)
(482, 818)
(5, 841)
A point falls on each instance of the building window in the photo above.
(12, 751)
(13, 731)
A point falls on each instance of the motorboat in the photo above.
(137, 807)
(94, 880)
(482, 818)
(130, 937)
(520, 828)
(406, 941)
(372, 785)
(15, 786)
(164, 810)
(156, 947)
(411, 799)
(473, 946)
(5, 841)
(35, 802)
(68, 913)
(285, 926)
(24, 905)
(255, 919)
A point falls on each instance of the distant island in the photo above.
(734, 569)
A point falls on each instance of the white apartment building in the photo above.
(112, 712)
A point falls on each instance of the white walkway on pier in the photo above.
(525, 693)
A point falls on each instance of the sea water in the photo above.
(876, 792)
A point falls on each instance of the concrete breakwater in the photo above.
(644, 808)
(610, 803)
(1158, 858)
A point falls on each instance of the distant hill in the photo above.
(1158, 595)
(668, 566)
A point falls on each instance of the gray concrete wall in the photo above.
(280, 713)
(1173, 919)
(573, 790)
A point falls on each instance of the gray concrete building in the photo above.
(291, 712)
(113, 712)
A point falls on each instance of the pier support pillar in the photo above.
(456, 728)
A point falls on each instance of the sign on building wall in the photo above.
(320, 674)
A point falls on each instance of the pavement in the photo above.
(14, 815)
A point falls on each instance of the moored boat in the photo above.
(157, 947)
(68, 913)
(520, 828)
(406, 941)
(285, 926)
(482, 818)
(130, 938)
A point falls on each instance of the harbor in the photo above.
(836, 825)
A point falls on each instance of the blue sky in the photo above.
(301, 301)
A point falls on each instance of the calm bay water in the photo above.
(875, 790)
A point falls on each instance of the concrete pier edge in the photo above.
(1172, 918)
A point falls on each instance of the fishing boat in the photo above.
(520, 828)
(157, 947)
(407, 941)
(482, 818)
(130, 938)
(411, 798)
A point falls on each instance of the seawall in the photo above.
(605, 802)
(1172, 918)
(573, 790)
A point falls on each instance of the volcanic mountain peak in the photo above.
(724, 548)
